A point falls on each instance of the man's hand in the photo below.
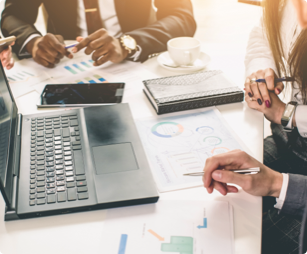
(105, 47)
(218, 175)
(273, 113)
(6, 58)
(260, 91)
(48, 50)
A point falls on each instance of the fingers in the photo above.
(55, 43)
(224, 176)
(247, 86)
(279, 87)
(86, 41)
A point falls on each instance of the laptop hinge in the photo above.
(19, 124)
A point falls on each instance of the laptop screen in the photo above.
(6, 105)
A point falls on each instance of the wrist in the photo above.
(280, 113)
(276, 185)
(31, 44)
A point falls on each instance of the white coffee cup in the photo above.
(184, 50)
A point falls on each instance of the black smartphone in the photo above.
(80, 95)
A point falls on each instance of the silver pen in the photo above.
(245, 171)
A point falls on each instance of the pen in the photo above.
(244, 171)
(276, 80)
(71, 45)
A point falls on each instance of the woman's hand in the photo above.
(218, 175)
(6, 58)
(272, 113)
(260, 91)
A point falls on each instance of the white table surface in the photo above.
(81, 232)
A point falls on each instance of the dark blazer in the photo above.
(303, 237)
(174, 18)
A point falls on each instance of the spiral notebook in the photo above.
(197, 90)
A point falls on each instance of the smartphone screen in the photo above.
(80, 94)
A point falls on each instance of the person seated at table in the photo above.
(6, 58)
(111, 30)
(277, 47)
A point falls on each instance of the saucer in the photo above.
(164, 59)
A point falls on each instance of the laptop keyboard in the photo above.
(57, 166)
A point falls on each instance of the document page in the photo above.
(181, 227)
(181, 142)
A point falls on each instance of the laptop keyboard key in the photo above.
(40, 184)
(70, 184)
(70, 179)
(76, 147)
(66, 133)
(82, 195)
(50, 191)
(32, 202)
(62, 197)
(32, 196)
(40, 178)
(41, 201)
(51, 199)
(80, 178)
(40, 189)
(82, 189)
(81, 183)
(41, 195)
(50, 185)
(57, 132)
(62, 188)
(50, 179)
(79, 164)
(69, 173)
(71, 194)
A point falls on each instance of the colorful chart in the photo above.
(181, 244)
(122, 244)
(20, 76)
(212, 140)
(167, 129)
(205, 130)
(94, 79)
(77, 68)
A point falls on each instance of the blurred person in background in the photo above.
(6, 58)
(110, 30)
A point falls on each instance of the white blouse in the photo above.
(259, 56)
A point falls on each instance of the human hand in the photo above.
(274, 112)
(260, 91)
(301, 9)
(6, 57)
(48, 50)
(105, 47)
(218, 175)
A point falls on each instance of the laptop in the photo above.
(69, 161)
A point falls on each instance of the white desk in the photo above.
(81, 232)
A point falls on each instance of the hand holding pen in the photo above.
(259, 85)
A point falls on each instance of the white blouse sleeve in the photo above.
(258, 53)
(301, 120)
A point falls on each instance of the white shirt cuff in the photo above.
(282, 196)
(301, 120)
(23, 51)
(137, 54)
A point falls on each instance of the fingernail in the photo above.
(279, 91)
(250, 95)
(244, 89)
(267, 104)
(259, 102)
(217, 175)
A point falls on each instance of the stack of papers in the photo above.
(182, 227)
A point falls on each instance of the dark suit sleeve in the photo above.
(18, 19)
(174, 19)
(296, 196)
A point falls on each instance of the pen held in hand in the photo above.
(71, 45)
(245, 171)
(277, 80)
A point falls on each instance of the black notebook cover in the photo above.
(197, 90)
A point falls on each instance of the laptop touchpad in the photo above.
(114, 158)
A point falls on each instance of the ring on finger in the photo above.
(253, 80)
(251, 99)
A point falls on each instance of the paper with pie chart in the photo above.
(170, 227)
(181, 143)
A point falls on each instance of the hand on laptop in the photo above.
(6, 57)
(218, 175)
(103, 46)
(48, 50)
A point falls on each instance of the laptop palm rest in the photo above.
(114, 158)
